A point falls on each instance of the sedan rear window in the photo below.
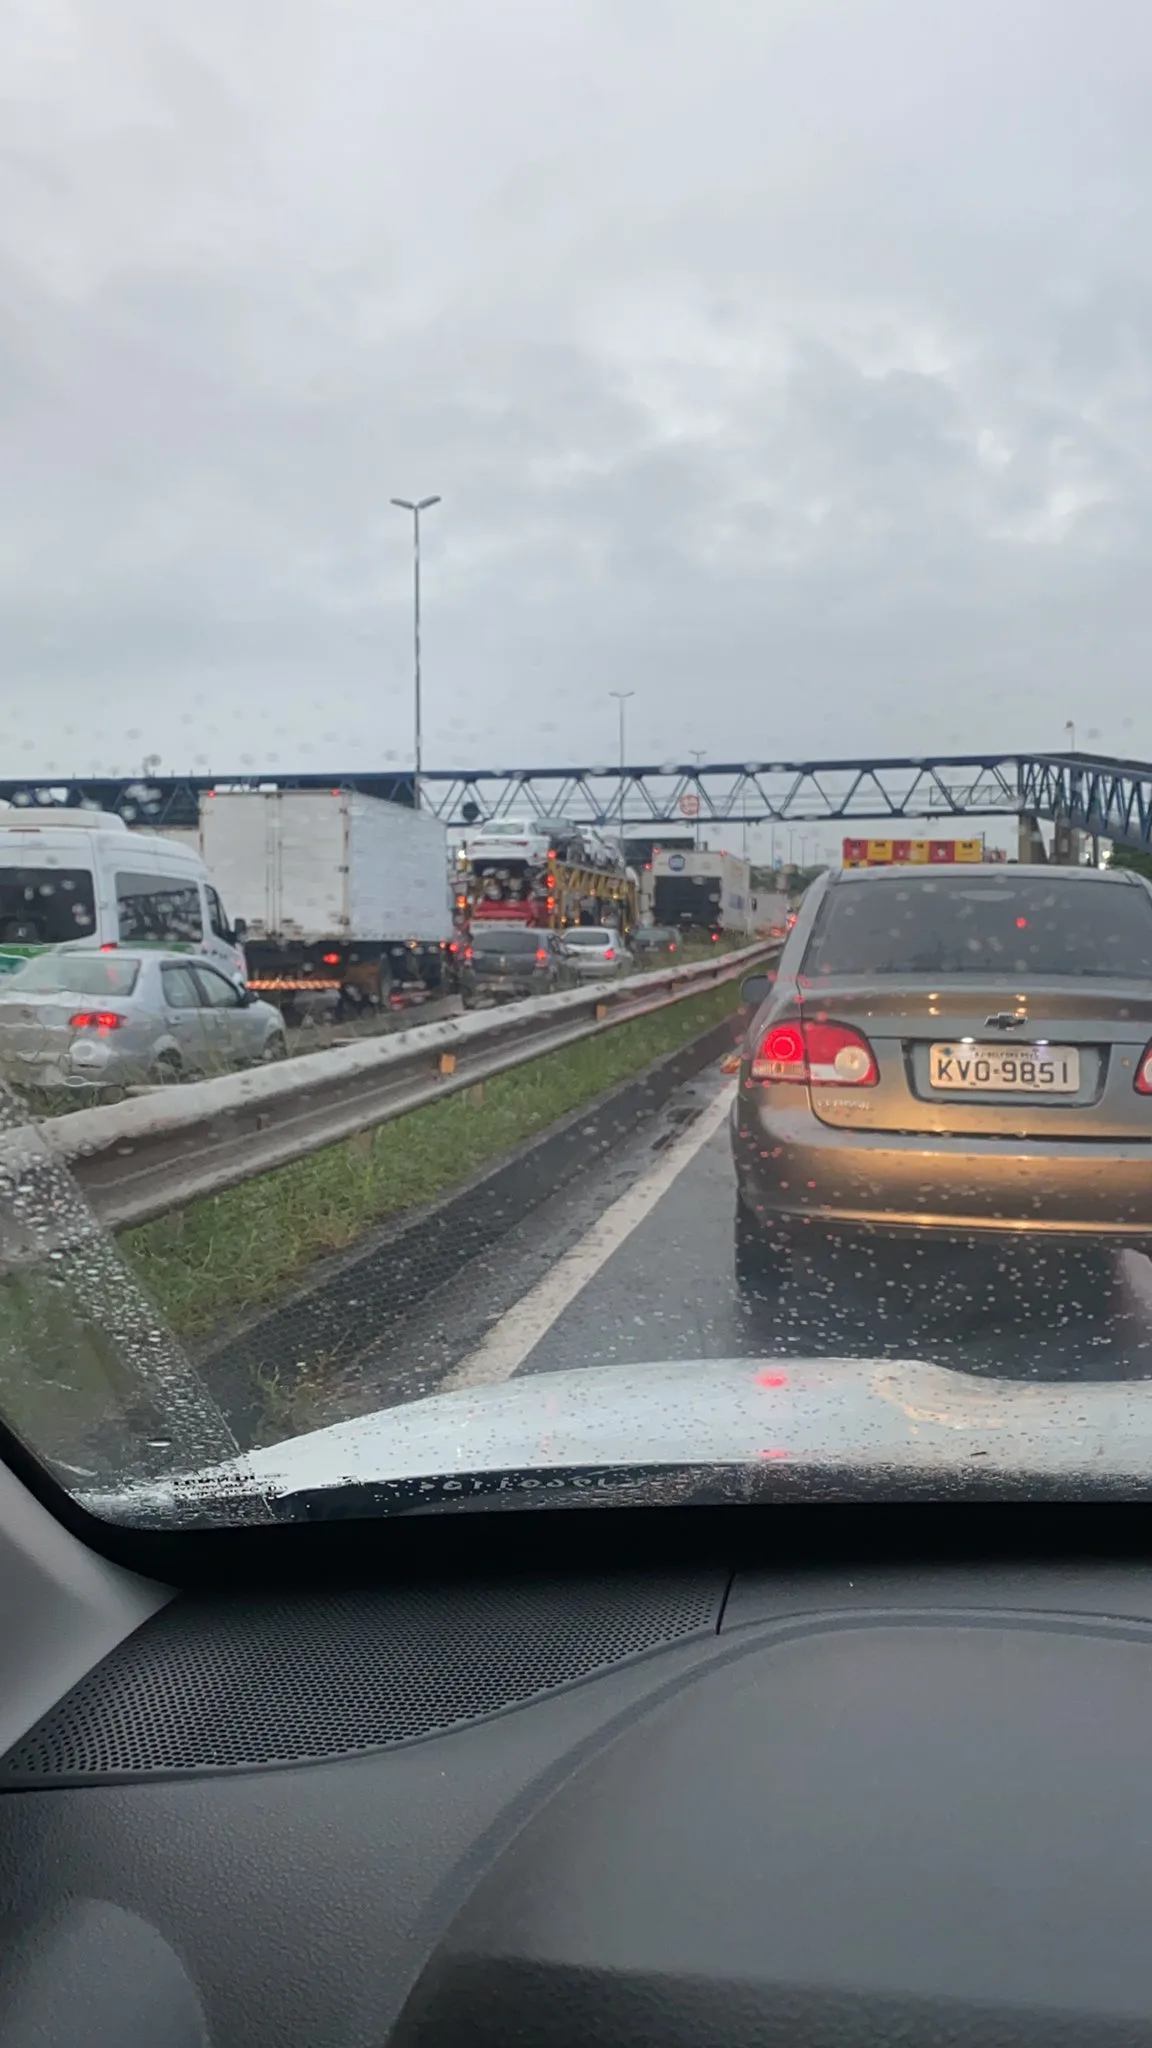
(79, 974)
(508, 943)
(957, 924)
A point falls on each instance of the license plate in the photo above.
(1005, 1070)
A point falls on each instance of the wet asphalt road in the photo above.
(669, 1291)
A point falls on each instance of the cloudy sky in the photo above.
(786, 362)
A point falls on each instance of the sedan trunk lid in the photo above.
(1048, 1059)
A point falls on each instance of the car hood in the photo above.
(902, 1425)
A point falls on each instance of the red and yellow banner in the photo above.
(884, 853)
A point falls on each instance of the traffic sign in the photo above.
(689, 807)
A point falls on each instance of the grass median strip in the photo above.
(234, 1252)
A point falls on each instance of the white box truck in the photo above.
(342, 896)
(704, 892)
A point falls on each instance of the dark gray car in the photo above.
(514, 960)
(960, 1054)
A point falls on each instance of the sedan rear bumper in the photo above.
(796, 1173)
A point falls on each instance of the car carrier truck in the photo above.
(518, 880)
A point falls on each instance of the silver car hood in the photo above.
(879, 1417)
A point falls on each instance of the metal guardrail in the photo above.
(135, 1160)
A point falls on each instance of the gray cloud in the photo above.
(789, 366)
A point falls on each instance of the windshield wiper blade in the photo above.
(510, 1487)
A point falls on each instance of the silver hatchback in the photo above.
(596, 950)
(77, 1018)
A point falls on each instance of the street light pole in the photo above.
(697, 754)
(416, 506)
(621, 697)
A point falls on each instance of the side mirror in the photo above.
(240, 930)
(754, 990)
(245, 994)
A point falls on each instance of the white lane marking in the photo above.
(509, 1343)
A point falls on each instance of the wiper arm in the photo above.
(512, 1487)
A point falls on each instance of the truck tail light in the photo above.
(96, 1020)
(1143, 1081)
(820, 1055)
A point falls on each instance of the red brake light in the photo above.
(1143, 1082)
(331, 959)
(823, 1055)
(110, 947)
(609, 953)
(541, 953)
(96, 1020)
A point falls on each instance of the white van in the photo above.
(82, 875)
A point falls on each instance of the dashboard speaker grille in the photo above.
(238, 1682)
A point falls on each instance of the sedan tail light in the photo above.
(541, 955)
(609, 954)
(96, 1020)
(1143, 1081)
(822, 1055)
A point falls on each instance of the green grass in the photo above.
(233, 1253)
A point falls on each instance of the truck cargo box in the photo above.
(310, 865)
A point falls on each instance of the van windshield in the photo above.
(45, 906)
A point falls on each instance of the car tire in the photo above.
(762, 1261)
(168, 1069)
(275, 1048)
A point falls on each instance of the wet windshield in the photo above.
(574, 588)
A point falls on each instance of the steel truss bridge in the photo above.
(1111, 799)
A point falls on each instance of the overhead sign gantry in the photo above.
(1084, 792)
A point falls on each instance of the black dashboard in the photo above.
(869, 1801)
